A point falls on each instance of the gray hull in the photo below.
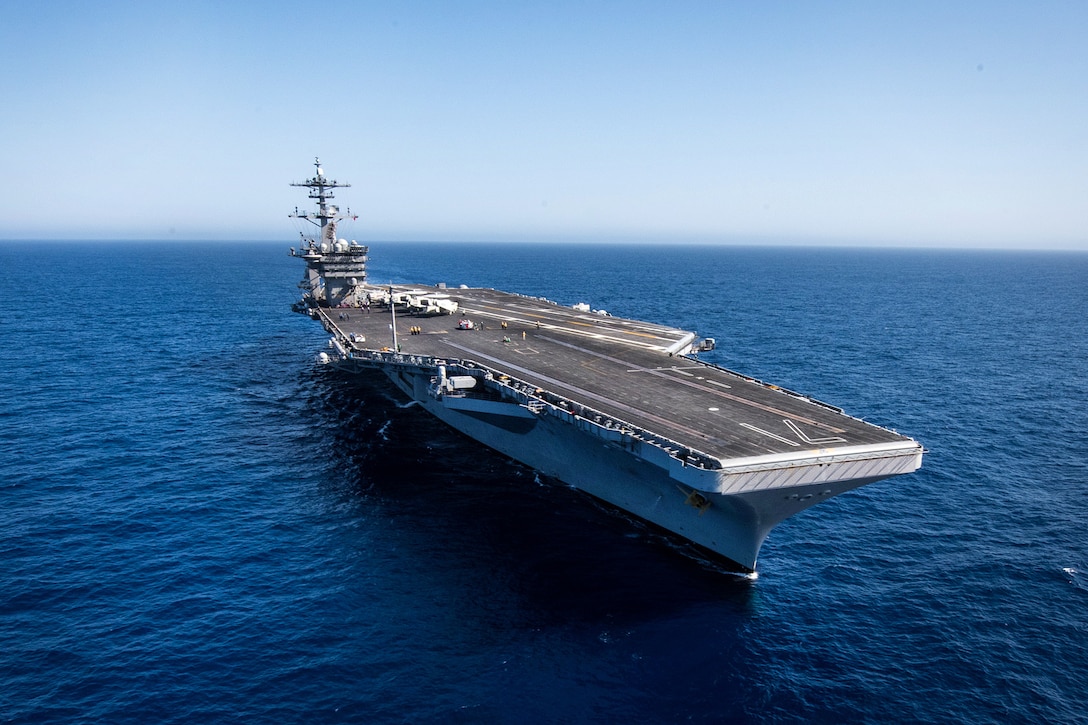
(620, 408)
(671, 496)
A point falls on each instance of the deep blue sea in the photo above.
(200, 524)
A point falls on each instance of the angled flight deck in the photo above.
(625, 368)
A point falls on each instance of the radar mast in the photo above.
(335, 268)
(327, 214)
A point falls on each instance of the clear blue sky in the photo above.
(917, 123)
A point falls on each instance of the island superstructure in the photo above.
(622, 409)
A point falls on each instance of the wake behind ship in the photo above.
(621, 409)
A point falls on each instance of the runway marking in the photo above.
(699, 386)
(673, 368)
(547, 320)
(796, 431)
(816, 441)
(698, 435)
(767, 433)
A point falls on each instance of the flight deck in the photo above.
(630, 370)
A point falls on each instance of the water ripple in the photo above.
(199, 524)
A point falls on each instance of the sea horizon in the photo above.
(1072, 247)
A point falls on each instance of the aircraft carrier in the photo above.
(621, 409)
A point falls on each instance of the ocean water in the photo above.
(200, 524)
